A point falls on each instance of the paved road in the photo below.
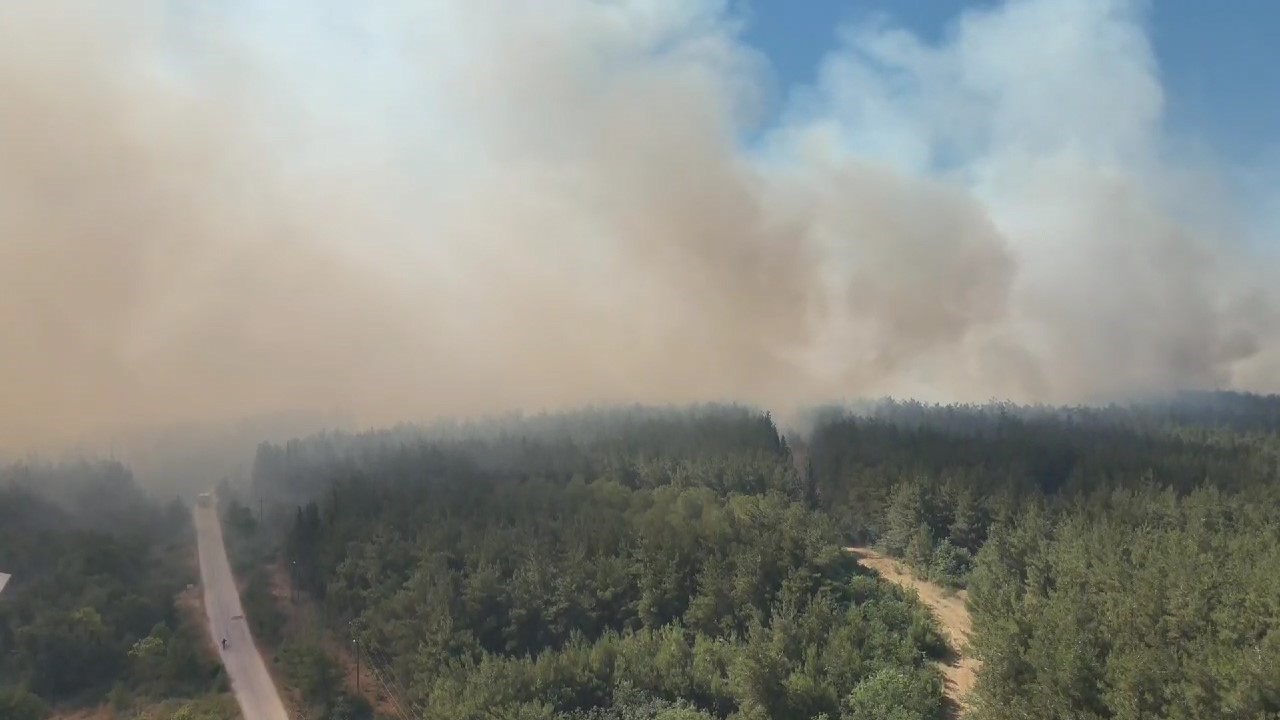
(253, 687)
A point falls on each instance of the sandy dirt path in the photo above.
(960, 671)
(250, 681)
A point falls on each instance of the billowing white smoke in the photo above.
(1127, 274)
(407, 209)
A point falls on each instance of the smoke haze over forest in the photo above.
(399, 210)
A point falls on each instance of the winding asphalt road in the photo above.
(250, 681)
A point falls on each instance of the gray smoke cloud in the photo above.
(403, 210)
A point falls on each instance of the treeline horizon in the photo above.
(216, 451)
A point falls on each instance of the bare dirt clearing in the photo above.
(948, 606)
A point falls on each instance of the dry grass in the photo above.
(302, 618)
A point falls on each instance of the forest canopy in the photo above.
(689, 562)
(684, 563)
(631, 563)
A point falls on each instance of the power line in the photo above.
(381, 667)
(382, 658)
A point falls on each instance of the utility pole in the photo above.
(355, 640)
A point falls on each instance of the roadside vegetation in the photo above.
(294, 642)
(89, 619)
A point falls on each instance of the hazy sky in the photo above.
(402, 209)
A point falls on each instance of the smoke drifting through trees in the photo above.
(449, 207)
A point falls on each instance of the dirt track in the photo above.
(949, 608)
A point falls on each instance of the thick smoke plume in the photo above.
(403, 210)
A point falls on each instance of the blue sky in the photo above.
(1216, 59)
